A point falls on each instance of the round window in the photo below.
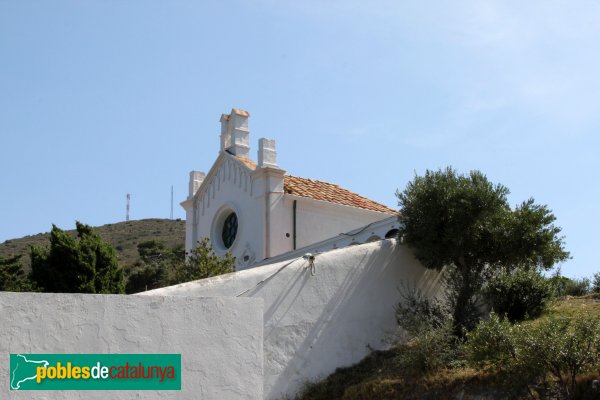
(229, 230)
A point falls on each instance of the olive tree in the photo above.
(465, 223)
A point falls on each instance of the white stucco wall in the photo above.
(229, 186)
(220, 340)
(314, 324)
(319, 220)
(315, 221)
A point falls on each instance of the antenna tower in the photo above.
(171, 201)
(127, 208)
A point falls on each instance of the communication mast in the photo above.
(171, 201)
(127, 208)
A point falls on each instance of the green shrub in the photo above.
(428, 324)
(492, 343)
(564, 348)
(202, 262)
(577, 287)
(417, 312)
(596, 284)
(431, 350)
(519, 294)
(147, 277)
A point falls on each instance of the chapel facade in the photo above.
(257, 211)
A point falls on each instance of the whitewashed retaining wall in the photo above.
(316, 323)
(220, 340)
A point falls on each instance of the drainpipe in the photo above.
(268, 219)
(294, 226)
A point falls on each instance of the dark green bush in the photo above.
(519, 294)
(577, 287)
(147, 277)
(12, 276)
(596, 284)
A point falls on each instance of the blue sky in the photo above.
(103, 98)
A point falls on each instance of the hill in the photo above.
(123, 236)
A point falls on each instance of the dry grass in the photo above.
(569, 307)
(387, 381)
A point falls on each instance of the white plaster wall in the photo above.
(371, 232)
(315, 221)
(189, 219)
(220, 340)
(232, 186)
(314, 324)
(319, 220)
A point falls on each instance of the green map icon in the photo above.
(23, 370)
(95, 371)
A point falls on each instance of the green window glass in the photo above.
(229, 230)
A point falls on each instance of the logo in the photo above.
(95, 371)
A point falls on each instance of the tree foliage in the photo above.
(465, 222)
(596, 283)
(12, 276)
(84, 264)
(577, 287)
(571, 287)
(160, 266)
(202, 263)
(519, 294)
(155, 268)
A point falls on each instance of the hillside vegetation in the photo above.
(381, 375)
(123, 236)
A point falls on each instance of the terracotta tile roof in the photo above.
(325, 191)
(330, 192)
(247, 162)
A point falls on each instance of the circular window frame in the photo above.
(217, 228)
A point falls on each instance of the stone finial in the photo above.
(235, 136)
(196, 179)
(267, 154)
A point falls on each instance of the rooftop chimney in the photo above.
(235, 134)
(196, 179)
(267, 155)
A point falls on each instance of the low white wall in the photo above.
(220, 340)
(314, 324)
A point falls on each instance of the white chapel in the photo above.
(255, 210)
